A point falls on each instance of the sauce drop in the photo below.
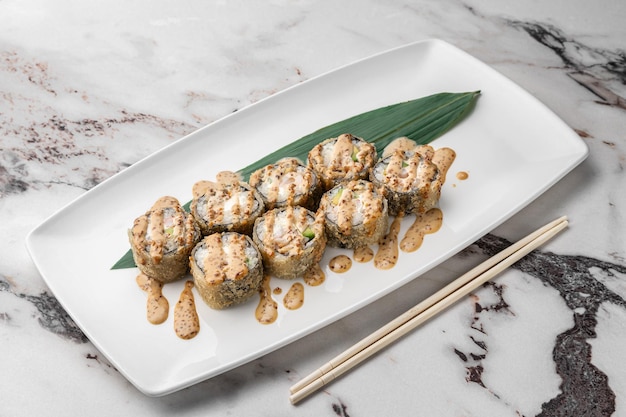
(295, 297)
(424, 224)
(387, 255)
(340, 264)
(363, 254)
(314, 276)
(267, 309)
(186, 321)
(462, 175)
(157, 306)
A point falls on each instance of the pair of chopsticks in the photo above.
(424, 311)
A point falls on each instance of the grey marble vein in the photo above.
(50, 314)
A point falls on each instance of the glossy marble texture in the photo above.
(87, 89)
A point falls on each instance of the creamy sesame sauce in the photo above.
(427, 223)
(186, 321)
(314, 276)
(228, 178)
(462, 175)
(443, 158)
(267, 309)
(340, 264)
(399, 144)
(157, 306)
(363, 254)
(294, 298)
(387, 255)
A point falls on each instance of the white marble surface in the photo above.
(87, 89)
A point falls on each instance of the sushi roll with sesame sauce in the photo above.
(227, 269)
(162, 239)
(411, 180)
(288, 182)
(340, 159)
(291, 240)
(228, 205)
(355, 214)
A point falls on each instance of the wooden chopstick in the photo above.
(423, 311)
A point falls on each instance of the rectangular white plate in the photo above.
(512, 146)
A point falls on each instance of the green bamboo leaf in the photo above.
(423, 120)
(125, 261)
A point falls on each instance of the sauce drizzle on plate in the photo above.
(157, 306)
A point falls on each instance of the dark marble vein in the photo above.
(473, 359)
(340, 409)
(601, 71)
(585, 389)
(51, 315)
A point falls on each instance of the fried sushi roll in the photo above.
(355, 214)
(288, 182)
(228, 205)
(291, 240)
(162, 239)
(411, 180)
(227, 269)
(341, 159)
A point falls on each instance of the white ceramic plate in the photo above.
(512, 146)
